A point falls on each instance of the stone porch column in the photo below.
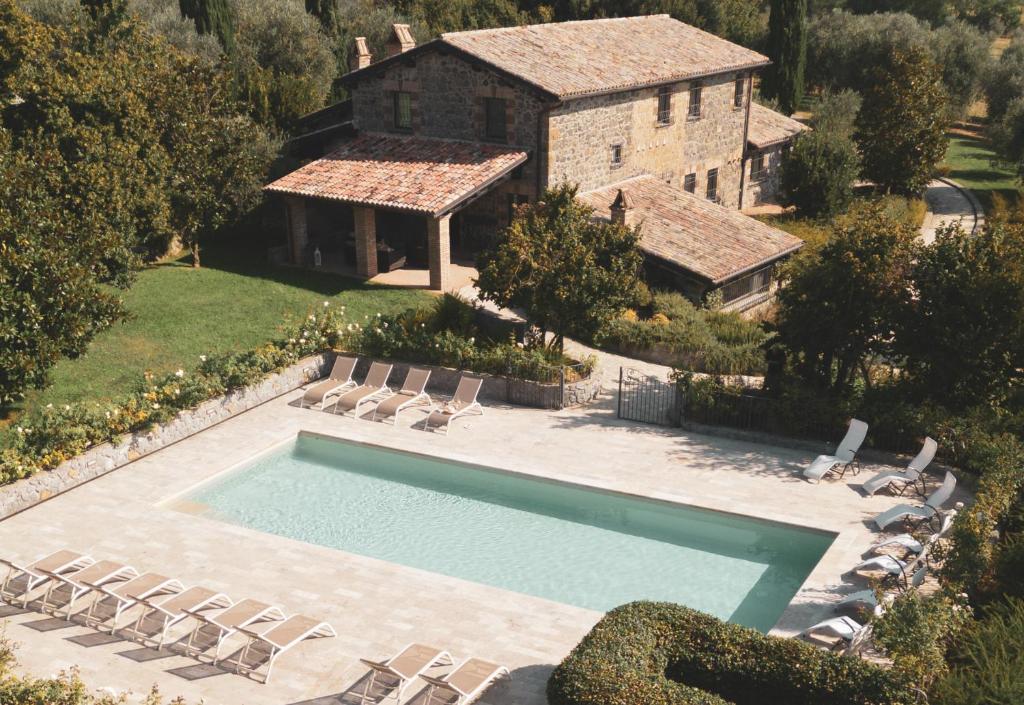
(298, 233)
(366, 241)
(439, 252)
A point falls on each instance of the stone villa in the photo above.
(652, 118)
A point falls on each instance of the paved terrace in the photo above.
(377, 607)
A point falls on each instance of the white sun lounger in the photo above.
(401, 670)
(900, 481)
(466, 683)
(340, 380)
(930, 509)
(176, 608)
(868, 599)
(23, 579)
(845, 456)
(909, 543)
(280, 638)
(123, 597)
(84, 581)
(374, 387)
(241, 614)
(464, 402)
(412, 393)
(845, 629)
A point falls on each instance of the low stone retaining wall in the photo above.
(110, 456)
(497, 388)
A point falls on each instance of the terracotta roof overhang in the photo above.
(714, 243)
(546, 62)
(769, 128)
(399, 172)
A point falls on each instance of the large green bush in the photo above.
(700, 340)
(987, 662)
(649, 653)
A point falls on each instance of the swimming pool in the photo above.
(563, 542)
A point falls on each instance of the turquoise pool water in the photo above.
(562, 542)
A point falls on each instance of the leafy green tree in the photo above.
(283, 62)
(840, 303)
(1004, 81)
(214, 17)
(963, 337)
(568, 271)
(836, 112)
(787, 48)
(52, 267)
(901, 128)
(819, 172)
(844, 50)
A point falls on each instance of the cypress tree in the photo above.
(324, 10)
(787, 48)
(212, 17)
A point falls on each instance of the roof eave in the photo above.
(758, 265)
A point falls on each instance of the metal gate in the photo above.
(648, 399)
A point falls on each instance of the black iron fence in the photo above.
(648, 399)
(541, 385)
(657, 401)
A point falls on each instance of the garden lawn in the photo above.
(234, 302)
(970, 162)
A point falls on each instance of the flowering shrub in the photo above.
(46, 438)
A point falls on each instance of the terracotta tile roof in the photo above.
(702, 237)
(408, 173)
(595, 56)
(768, 127)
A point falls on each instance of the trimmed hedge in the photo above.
(656, 653)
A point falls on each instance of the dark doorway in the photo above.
(401, 240)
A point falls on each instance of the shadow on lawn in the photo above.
(239, 257)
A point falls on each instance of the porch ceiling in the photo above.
(418, 174)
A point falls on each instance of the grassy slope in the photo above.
(970, 161)
(178, 313)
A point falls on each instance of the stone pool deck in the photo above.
(378, 607)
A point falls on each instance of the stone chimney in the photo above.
(622, 209)
(360, 55)
(401, 39)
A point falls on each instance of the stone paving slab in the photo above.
(376, 606)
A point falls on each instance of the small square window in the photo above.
(403, 111)
(616, 155)
(741, 86)
(712, 188)
(758, 171)
(695, 96)
(665, 105)
(690, 183)
(496, 115)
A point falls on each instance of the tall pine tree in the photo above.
(212, 17)
(787, 48)
(324, 10)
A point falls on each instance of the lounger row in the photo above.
(395, 676)
(349, 397)
(846, 458)
(162, 602)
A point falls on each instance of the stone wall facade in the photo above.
(583, 132)
(107, 457)
(448, 98)
(764, 190)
